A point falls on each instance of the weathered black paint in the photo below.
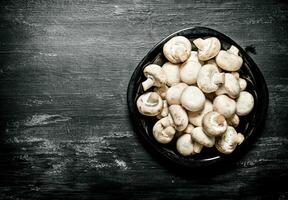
(64, 71)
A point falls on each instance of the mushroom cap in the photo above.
(184, 145)
(224, 105)
(155, 76)
(195, 118)
(179, 117)
(233, 121)
(242, 83)
(189, 72)
(162, 91)
(209, 78)
(231, 85)
(172, 73)
(229, 60)
(192, 99)
(149, 104)
(197, 147)
(174, 93)
(207, 48)
(228, 141)
(199, 136)
(214, 124)
(244, 104)
(162, 133)
(177, 49)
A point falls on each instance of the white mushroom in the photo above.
(199, 136)
(164, 112)
(209, 78)
(242, 83)
(161, 91)
(229, 140)
(195, 118)
(224, 105)
(230, 86)
(172, 73)
(197, 147)
(149, 104)
(229, 60)
(179, 117)
(177, 49)
(155, 77)
(184, 145)
(174, 93)
(233, 121)
(214, 124)
(194, 57)
(244, 104)
(163, 132)
(189, 72)
(207, 48)
(192, 99)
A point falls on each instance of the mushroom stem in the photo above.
(218, 78)
(233, 50)
(147, 84)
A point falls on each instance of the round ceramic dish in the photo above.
(249, 126)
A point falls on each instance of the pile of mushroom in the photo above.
(198, 97)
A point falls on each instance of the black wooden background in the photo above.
(64, 71)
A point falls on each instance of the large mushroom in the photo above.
(174, 93)
(244, 104)
(149, 104)
(227, 142)
(214, 124)
(192, 99)
(163, 132)
(224, 105)
(209, 78)
(195, 118)
(229, 60)
(207, 48)
(155, 77)
(172, 73)
(177, 49)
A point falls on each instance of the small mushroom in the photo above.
(174, 93)
(207, 48)
(229, 140)
(195, 118)
(209, 78)
(177, 49)
(149, 104)
(163, 132)
(192, 99)
(164, 112)
(189, 72)
(244, 104)
(224, 105)
(184, 145)
(229, 60)
(179, 117)
(230, 86)
(233, 121)
(242, 83)
(214, 124)
(172, 73)
(196, 146)
(199, 136)
(155, 77)
(161, 91)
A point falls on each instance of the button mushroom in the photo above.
(177, 49)
(224, 105)
(230, 86)
(207, 48)
(189, 72)
(199, 136)
(233, 121)
(184, 145)
(192, 99)
(172, 73)
(244, 104)
(155, 77)
(229, 60)
(179, 117)
(162, 91)
(214, 124)
(174, 93)
(163, 132)
(229, 140)
(197, 147)
(209, 78)
(149, 104)
(195, 118)
(242, 83)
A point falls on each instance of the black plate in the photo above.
(249, 125)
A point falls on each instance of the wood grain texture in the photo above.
(64, 71)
